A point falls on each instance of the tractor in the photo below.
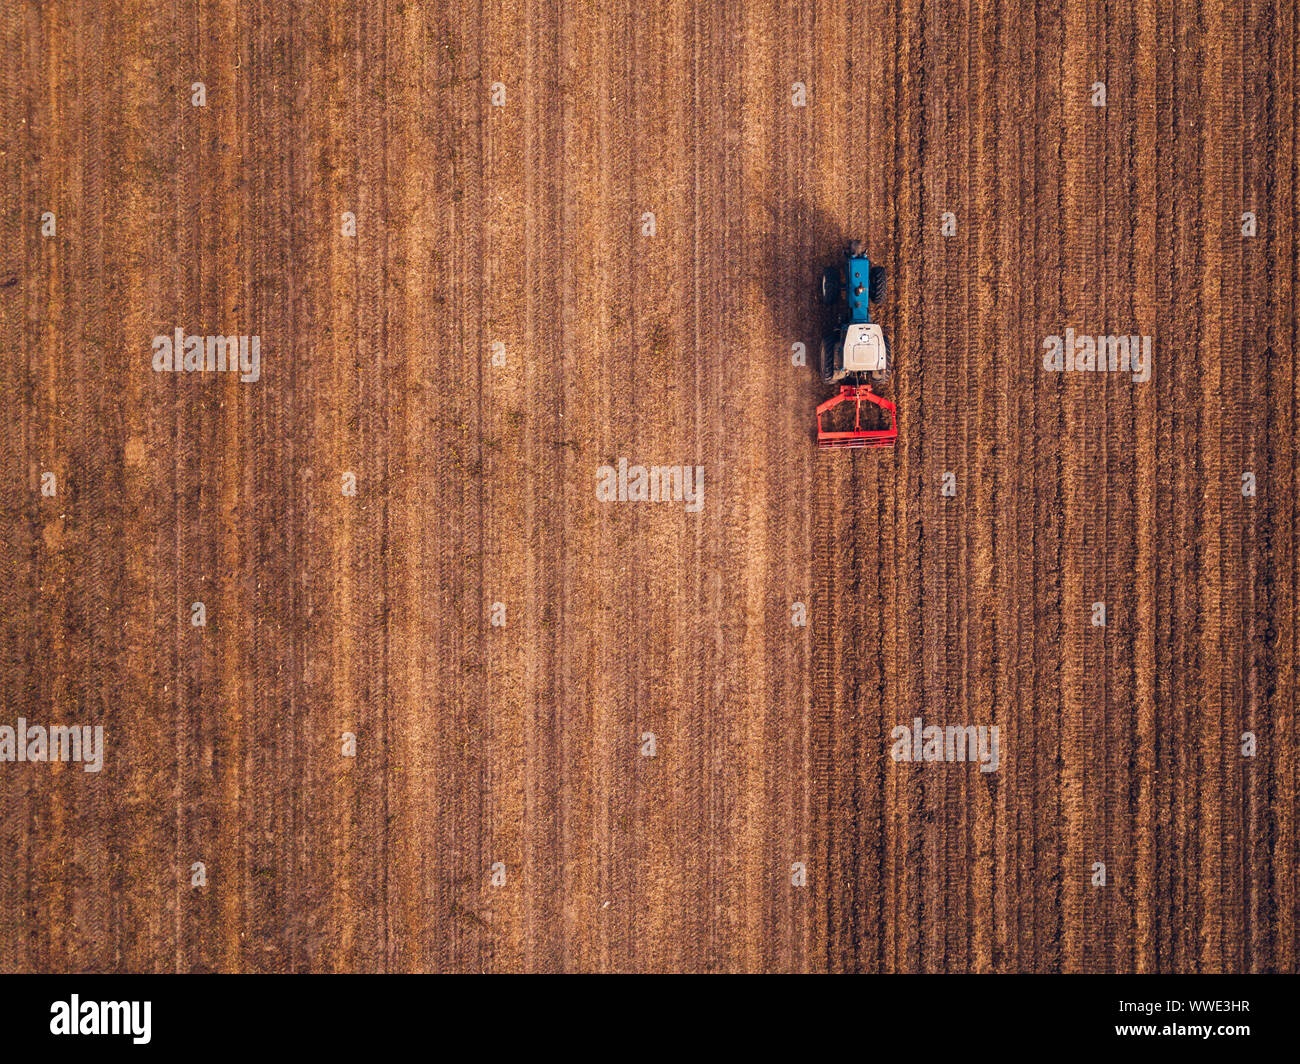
(855, 351)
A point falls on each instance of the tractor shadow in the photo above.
(802, 241)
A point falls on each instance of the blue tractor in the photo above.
(852, 344)
(855, 351)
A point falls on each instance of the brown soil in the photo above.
(521, 744)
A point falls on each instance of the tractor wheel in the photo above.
(877, 281)
(827, 356)
(880, 376)
(830, 286)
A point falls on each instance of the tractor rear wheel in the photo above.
(830, 286)
(880, 376)
(828, 357)
(877, 282)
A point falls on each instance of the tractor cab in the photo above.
(863, 349)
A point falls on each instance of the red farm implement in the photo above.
(857, 436)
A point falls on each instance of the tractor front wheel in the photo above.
(830, 286)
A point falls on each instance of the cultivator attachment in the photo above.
(858, 437)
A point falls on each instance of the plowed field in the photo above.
(489, 250)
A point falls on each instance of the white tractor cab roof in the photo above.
(864, 348)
